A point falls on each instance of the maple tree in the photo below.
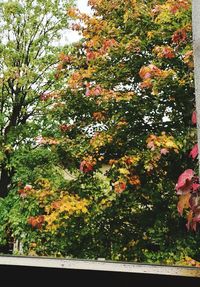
(127, 122)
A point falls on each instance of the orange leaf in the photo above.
(183, 202)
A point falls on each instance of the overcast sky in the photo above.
(82, 5)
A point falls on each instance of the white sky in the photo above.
(82, 5)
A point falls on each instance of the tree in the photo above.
(129, 101)
(30, 31)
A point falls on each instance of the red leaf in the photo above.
(119, 186)
(179, 36)
(195, 186)
(194, 117)
(86, 166)
(22, 193)
(194, 152)
(36, 221)
(184, 183)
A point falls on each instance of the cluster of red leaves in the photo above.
(188, 190)
(119, 186)
(94, 91)
(185, 183)
(23, 192)
(86, 166)
(36, 221)
(179, 36)
(194, 151)
(150, 72)
(164, 52)
(173, 6)
(176, 5)
(106, 45)
(194, 117)
(65, 127)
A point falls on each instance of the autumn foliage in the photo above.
(130, 96)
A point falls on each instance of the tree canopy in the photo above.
(28, 53)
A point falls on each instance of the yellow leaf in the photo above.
(183, 202)
(124, 171)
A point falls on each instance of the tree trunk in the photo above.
(5, 181)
